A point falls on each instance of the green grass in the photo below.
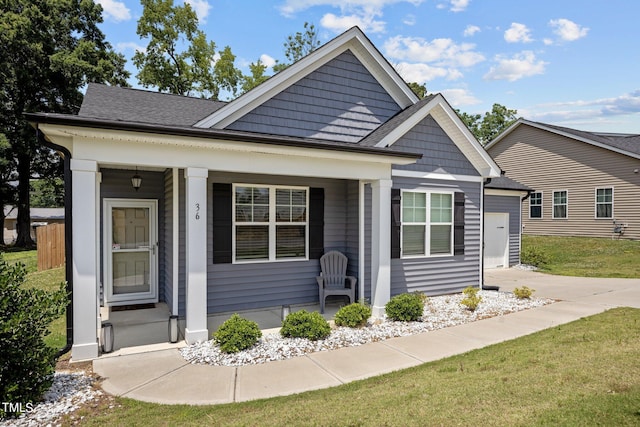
(587, 257)
(48, 280)
(583, 373)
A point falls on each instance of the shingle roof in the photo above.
(141, 106)
(505, 183)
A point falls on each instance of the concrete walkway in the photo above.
(165, 377)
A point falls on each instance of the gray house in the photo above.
(235, 202)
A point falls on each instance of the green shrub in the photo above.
(534, 256)
(406, 307)
(302, 324)
(472, 299)
(237, 334)
(28, 364)
(523, 292)
(353, 315)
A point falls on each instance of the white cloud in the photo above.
(409, 20)
(518, 33)
(338, 24)
(460, 97)
(201, 8)
(267, 60)
(291, 7)
(115, 10)
(547, 42)
(442, 52)
(459, 5)
(130, 46)
(471, 30)
(520, 65)
(568, 30)
(422, 73)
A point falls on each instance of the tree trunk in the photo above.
(2, 243)
(23, 224)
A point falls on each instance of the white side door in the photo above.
(130, 251)
(496, 240)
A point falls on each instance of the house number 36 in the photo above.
(197, 210)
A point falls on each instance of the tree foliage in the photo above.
(50, 50)
(298, 46)
(486, 128)
(179, 59)
(418, 89)
(257, 76)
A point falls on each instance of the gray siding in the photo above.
(116, 183)
(442, 275)
(546, 162)
(168, 238)
(440, 154)
(234, 287)
(510, 205)
(341, 101)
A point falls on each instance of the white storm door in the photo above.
(496, 240)
(130, 251)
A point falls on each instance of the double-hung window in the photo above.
(604, 202)
(535, 205)
(427, 224)
(560, 203)
(270, 223)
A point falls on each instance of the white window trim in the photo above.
(595, 203)
(427, 224)
(271, 224)
(553, 204)
(541, 206)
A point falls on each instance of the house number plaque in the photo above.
(197, 211)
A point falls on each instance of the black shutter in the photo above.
(458, 224)
(316, 223)
(222, 223)
(395, 222)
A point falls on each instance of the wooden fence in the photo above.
(50, 240)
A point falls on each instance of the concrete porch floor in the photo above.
(144, 330)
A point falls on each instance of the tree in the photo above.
(298, 46)
(47, 193)
(50, 50)
(7, 175)
(418, 89)
(256, 78)
(184, 70)
(486, 128)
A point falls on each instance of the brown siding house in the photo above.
(585, 183)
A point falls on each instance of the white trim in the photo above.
(553, 204)
(271, 224)
(175, 229)
(353, 40)
(505, 192)
(541, 206)
(151, 296)
(380, 246)
(436, 175)
(482, 234)
(595, 203)
(361, 235)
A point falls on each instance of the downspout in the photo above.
(68, 226)
(482, 236)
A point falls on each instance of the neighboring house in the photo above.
(586, 183)
(503, 221)
(239, 200)
(39, 217)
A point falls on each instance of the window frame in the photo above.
(596, 203)
(272, 223)
(565, 204)
(427, 224)
(541, 193)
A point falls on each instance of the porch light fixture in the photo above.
(284, 312)
(136, 181)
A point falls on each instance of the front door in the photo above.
(496, 240)
(130, 251)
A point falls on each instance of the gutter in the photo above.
(68, 226)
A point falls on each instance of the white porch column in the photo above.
(84, 178)
(380, 245)
(196, 254)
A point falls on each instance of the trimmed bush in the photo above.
(353, 315)
(406, 307)
(303, 324)
(534, 256)
(523, 292)
(237, 334)
(28, 364)
(472, 299)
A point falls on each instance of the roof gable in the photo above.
(352, 40)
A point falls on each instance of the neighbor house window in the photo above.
(535, 205)
(427, 223)
(270, 223)
(604, 202)
(560, 204)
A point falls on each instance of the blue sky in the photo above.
(572, 63)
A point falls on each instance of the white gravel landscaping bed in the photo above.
(440, 312)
